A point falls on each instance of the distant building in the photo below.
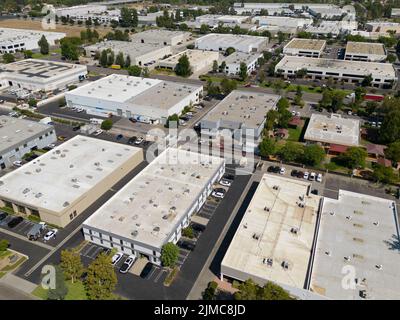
(221, 42)
(62, 183)
(101, 13)
(36, 74)
(395, 13)
(383, 74)
(365, 51)
(153, 208)
(18, 40)
(161, 37)
(383, 27)
(305, 47)
(20, 136)
(198, 59)
(234, 60)
(146, 100)
(287, 22)
(213, 20)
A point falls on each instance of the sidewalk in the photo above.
(18, 284)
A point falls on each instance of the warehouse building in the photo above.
(36, 75)
(20, 136)
(234, 60)
(153, 208)
(147, 100)
(242, 112)
(383, 74)
(287, 22)
(213, 20)
(357, 252)
(198, 59)
(274, 240)
(141, 54)
(161, 37)
(365, 51)
(221, 42)
(91, 11)
(14, 40)
(383, 27)
(333, 131)
(312, 48)
(64, 182)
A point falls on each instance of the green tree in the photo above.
(43, 45)
(32, 102)
(249, 290)
(101, 279)
(169, 254)
(210, 291)
(354, 157)
(71, 264)
(172, 121)
(313, 155)
(391, 58)
(106, 124)
(291, 151)
(127, 62)
(215, 66)
(129, 17)
(8, 58)
(392, 152)
(243, 71)
(204, 29)
(70, 47)
(145, 72)
(384, 174)
(229, 51)
(390, 128)
(188, 232)
(135, 71)
(110, 58)
(227, 86)
(183, 67)
(3, 245)
(28, 54)
(282, 104)
(120, 59)
(367, 81)
(267, 147)
(103, 58)
(61, 290)
(222, 67)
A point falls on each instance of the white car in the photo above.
(127, 264)
(319, 177)
(139, 140)
(98, 132)
(282, 170)
(17, 163)
(50, 235)
(306, 175)
(79, 110)
(225, 183)
(217, 194)
(293, 113)
(312, 176)
(116, 257)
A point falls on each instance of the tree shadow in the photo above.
(393, 243)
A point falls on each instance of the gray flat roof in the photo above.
(59, 177)
(357, 233)
(365, 48)
(333, 129)
(152, 204)
(306, 44)
(15, 132)
(238, 57)
(248, 108)
(159, 35)
(266, 232)
(232, 40)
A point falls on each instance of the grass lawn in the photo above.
(76, 291)
(294, 134)
(38, 55)
(15, 265)
(2, 274)
(4, 254)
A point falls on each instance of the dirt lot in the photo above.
(71, 31)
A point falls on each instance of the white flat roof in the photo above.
(306, 44)
(40, 70)
(333, 129)
(365, 48)
(237, 57)
(195, 56)
(232, 40)
(357, 232)
(267, 232)
(159, 35)
(11, 35)
(15, 132)
(59, 177)
(148, 209)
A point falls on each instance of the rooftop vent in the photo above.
(65, 204)
(134, 233)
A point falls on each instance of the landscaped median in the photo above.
(9, 259)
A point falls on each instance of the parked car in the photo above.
(186, 245)
(319, 177)
(218, 193)
(306, 174)
(50, 235)
(146, 270)
(1, 101)
(225, 182)
(61, 138)
(229, 176)
(274, 169)
(139, 140)
(312, 176)
(97, 132)
(127, 264)
(119, 137)
(3, 215)
(51, 146)
(17, 163)
(14, 222)
(36, 231)
(300, 174)
(282, 170)
(314, 191)
(198, 227)
(76, 128)
(116, 257)
(294, 173)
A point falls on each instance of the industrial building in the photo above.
(20, 136)
(198, 59)
(357, 252)
(14, 40)
(383, 27)
(153, 208)
(147, 100)
(213, 20)
(141, 54)
(64, 182)
(37, 75)
(221, 42)
(274, 240)
(161, 37)
(305, 47)
(333, 129)
(242, 112)
(98, 12)
(365, 51)
(287, 22)
(234, 60)
(383, 74)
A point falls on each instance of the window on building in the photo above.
(71, 216)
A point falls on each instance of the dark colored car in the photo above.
(146, 143)
(15, 221)
(229, 176)
(46, 148)
(274, 169)
(132, 120)
(315, 191)
(76, 128)
(132, 140)
(3, 215)
(300, 174)
(294, 173)
(146, 270)
(119, 137)
(198, 227)
(222, 190)
(187, 245)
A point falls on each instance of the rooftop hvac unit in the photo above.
(294, 230)
(285, 265)
(134, 233)
(347, 258)
(267, 209)
(268, 261)
(256, 236)
(301, 204)
(275, 187)
(376, 223)
(378, 266)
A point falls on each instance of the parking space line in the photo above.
(159, 276)
(24, 238)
